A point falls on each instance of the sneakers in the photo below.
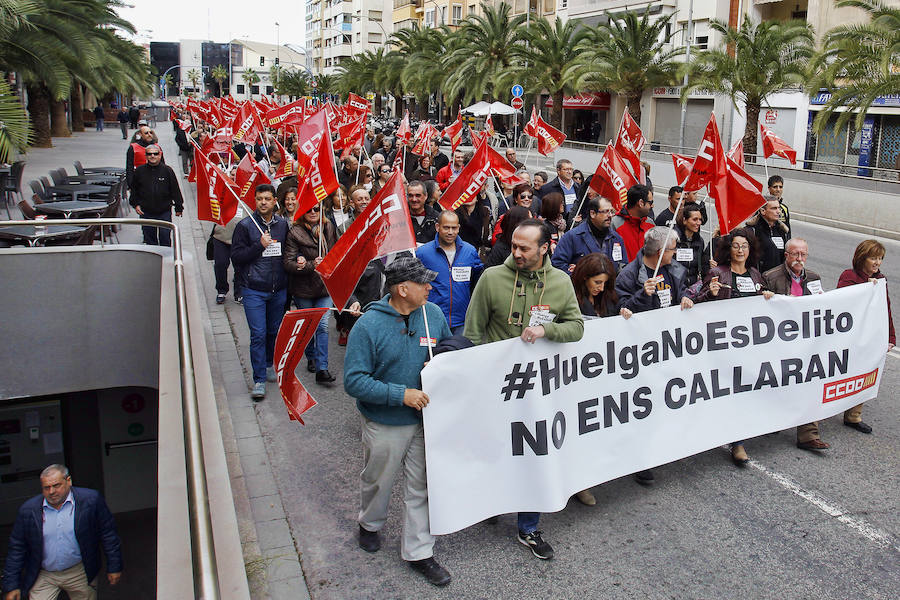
(586, 498)
(538, 546)
(433, 572)
(310, 366)
(324, 376)
(813, 445)
(271, 375)
(239, 299)
(369, 541)
(860, 427)
(220, 298)
(645, 477)
(259, 391)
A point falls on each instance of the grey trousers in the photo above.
(387, 448)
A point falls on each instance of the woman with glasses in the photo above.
(578, 176)
(735, 277)
(384, 173)
(522, 195)
(425, 171)
(308, 241)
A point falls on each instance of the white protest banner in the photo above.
(519, 427)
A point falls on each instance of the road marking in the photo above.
(894, 353)
(861, 526)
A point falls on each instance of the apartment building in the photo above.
(339, 29)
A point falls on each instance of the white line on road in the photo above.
(861, 526)
(894, 353)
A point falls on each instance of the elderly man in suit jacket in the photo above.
(56, 539)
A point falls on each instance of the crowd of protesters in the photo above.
(531, 261)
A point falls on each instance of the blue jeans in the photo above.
(264, 311)
(99, 124)
(317, 349)
(528, 521)
(157, 236)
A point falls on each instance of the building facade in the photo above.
(337, 30)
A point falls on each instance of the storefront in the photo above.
(585, 116)
(667, 129)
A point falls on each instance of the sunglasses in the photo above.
(314, 209)
(152, 153)
(526, 196)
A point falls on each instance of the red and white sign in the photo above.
(586, 101)
(517, 103)
(297, 328)
(771, 116)
(847, 387)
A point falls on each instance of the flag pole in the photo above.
(668, 233)
(427, 333)
(766, 163)
(500, 189)
(528, 150)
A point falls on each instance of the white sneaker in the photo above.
(259, 390)
(271, 375)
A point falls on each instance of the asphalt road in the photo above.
(792, 525)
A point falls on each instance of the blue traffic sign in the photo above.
(517, 91)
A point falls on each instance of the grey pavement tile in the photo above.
(255, 464)
(251, 445)
(267, 508)
(242, 413)
(282, 564)
(245, 429)
(260, 485)
(288, 590)
(272, 534)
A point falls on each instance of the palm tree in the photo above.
(627, 55)
(250, 78)
(194, 75)
(752, 63)
(480, 65)
(857, 63)
(326, 84)
(167, 80)
(550, 60)
(14, 131)
(422, 75)
(292, 83)
(220, 74)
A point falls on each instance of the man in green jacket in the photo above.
(525, 297)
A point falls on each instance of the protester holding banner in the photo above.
(385, 354)
(735, 277)
(771, 233)
(867, 259)
(308, 241)
(593, 235)
(256, 248)
(691, 252)
(525, 297)
(793, 279)
(594, 279)
(639, 289)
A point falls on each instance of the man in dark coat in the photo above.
(154, 191)
(52, 547)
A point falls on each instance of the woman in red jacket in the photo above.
(866, 267)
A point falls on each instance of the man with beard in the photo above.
(792, 278)
(593, 235)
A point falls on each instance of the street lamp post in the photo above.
(687, 59)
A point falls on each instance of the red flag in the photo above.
(709, 165)
(297, 329)
(736, 153)
(217, 199)
(772, 144)
(183, 125)
(489, 126)
(548, 137)
(315, 163)
(289, 114)
(215, 116)
(286, 168)
(247, 176)
(247, 126)
(357, 104)
(218, 142)
(629, 143)
(454, 132)
(404, 133)
(531, 126)
(737, 196)
(469, 181)
(424, 139)
(478, 137)
(382, 228)
(351, 134)
(612, 179)
(502, 169)
(682, 167)
(399, 162)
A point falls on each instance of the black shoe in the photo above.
(813, 445)
(310, 366)
(433, 572)
(324, 376)
(645, 477)
(538, 546)
(860, 427)
(369, 541)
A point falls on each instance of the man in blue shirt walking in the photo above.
(56, 540)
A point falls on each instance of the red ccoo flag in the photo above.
(489, 126)
(217, 199)
(629, 143)
(382, 228)
(247, 176)
(709, 165)
(503, 169)
(297, 329)
(357, 105)
(289, 114)
(736, 154)
(315, 163)
(531, 126)
(548, 137)
(286, 166)
(423, 139)
(404, 133)
(247, 126)
(772, 144)
(454, 132)
(469, 181)
(682, 167)
(737, 196)
(612, 179)
(478, 137)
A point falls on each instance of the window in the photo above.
(327, 62)
(374, 38)
(240, 88)
(471, 10)
(702, 42)
(262, 61)
(254, 89)
(563, 4)
(374, 15)
(457, 13)
(269, 89)
(346, 39)
(429, 17)
(443, 19)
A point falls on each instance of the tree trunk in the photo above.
(634, 106)
(750, 129)
(58, 125)
(77, 108)
(556, 110)
(39, 111)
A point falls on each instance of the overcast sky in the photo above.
(219, 20)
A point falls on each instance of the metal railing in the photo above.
(203, 552)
